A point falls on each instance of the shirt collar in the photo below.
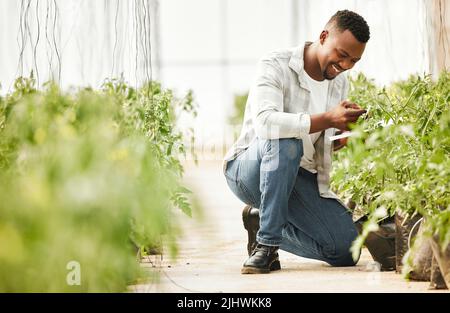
(296, 63)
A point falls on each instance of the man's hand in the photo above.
(339, 143)
(343, 114)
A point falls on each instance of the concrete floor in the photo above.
(212, 252)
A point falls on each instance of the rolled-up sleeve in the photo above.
(266, 96)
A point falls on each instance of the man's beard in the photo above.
(329, 76)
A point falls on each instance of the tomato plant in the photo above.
(84, 176)
(398, 160)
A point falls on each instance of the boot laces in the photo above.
(266, 249)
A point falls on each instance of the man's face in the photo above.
(338, 52)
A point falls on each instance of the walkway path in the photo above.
(211, 254)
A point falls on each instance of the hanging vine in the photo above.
(36, 17)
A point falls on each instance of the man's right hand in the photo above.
(343, 114)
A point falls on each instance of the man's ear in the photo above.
(323, 35)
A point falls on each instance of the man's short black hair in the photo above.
(352, 21)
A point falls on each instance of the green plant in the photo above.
(85, 176)
(398, 160)
(240, 101)
(152, 112)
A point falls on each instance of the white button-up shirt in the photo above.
(317, 104)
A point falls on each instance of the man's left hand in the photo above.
(339, 143)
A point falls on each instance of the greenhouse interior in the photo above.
(224, 146)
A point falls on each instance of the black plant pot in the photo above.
(381, 243)
(436, 279)
(405, 230)
(421, 257)
(442, 259)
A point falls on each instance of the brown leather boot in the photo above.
(250, 217)
(262, 260)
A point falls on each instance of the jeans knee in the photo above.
(343, 260)
(340, 254)
(287, 151)
(292, 149)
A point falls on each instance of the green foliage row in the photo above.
(86, 176)
(398, 160)
(238, 109)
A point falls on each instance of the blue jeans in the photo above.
(293, 215)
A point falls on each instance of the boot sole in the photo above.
(251, 234)
(275, 266)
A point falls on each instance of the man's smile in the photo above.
(337, 69)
